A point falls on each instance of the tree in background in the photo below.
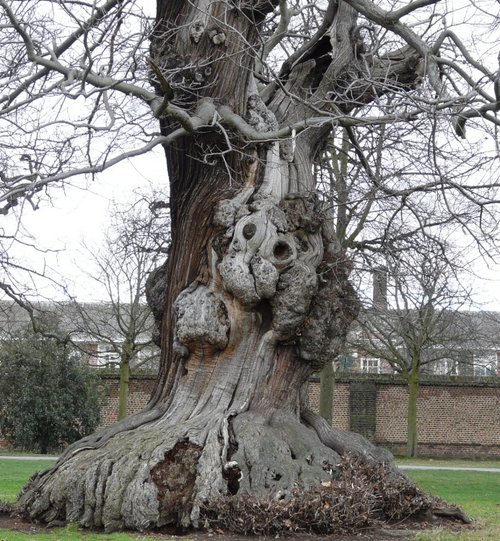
(258, 297)
(48, 396)
(369, 181)
(415, 322)
(382, 197)
(137, 237)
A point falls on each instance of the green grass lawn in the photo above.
(15, 473)
(71, 533)
(477, 493)
(448, 462)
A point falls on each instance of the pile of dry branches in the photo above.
(359, 496)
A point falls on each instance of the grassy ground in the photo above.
(71, 533)
(15, 473)
(477, 493)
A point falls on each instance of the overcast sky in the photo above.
(82, 213)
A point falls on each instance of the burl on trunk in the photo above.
(258, 305)
(257, 293)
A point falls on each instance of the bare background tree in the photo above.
(138, 237)
(386, 197)
(56, 131)
(416, 322)
(258, 297)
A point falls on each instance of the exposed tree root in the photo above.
(244, 472)
(160, 474)
(453, 513)
(346, 442)
(126, 482)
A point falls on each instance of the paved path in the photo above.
(401, 466)
(450, 468)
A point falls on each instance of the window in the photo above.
(445, 367)
(485, 365)
(371, 365)
(107, 356)
(344, 363)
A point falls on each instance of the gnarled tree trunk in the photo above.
(259, 304)
(257, 297)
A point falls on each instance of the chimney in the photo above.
(380, 288)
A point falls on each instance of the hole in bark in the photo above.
(282, 250)
(232, 473)
(249, 230)
(265, 311)
(174, 478)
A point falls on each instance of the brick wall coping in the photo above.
(382, 379)
(426, 380)
(115, 374)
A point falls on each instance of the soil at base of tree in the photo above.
(400, 531)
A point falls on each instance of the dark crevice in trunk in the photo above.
(266, 313)
(174, 478)
(231, 470)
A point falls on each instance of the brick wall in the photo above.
(460, 418)
(140, 389)
(457, 417)
(341, 415)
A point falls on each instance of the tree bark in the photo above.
(245, 338)
(258, 297)
(413, 390)
(327, 386)
(259, 303)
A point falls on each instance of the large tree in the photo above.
(258, 294)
